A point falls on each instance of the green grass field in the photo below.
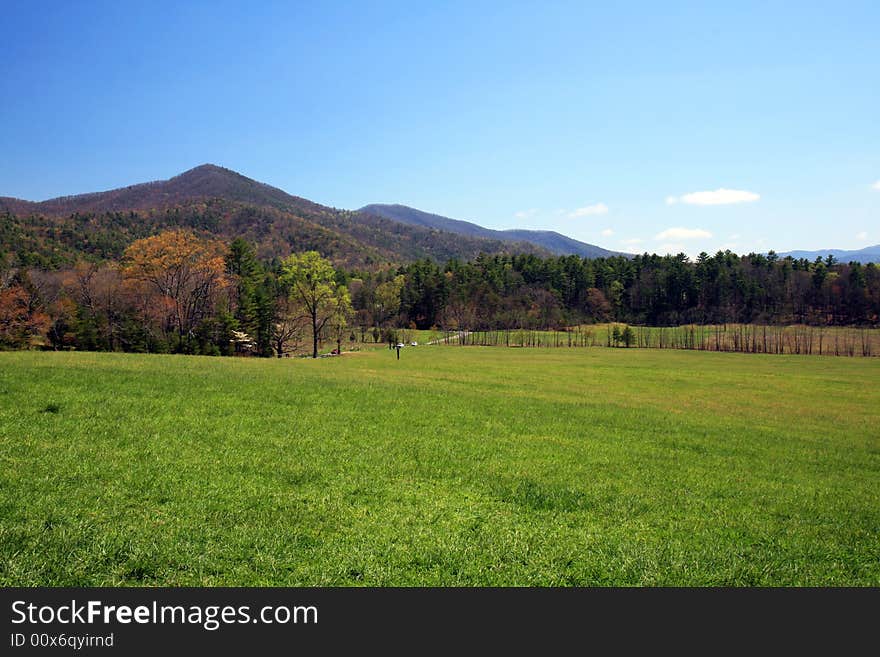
(452, 466)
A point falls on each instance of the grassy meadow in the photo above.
(451, 466)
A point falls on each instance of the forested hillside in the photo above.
(220, 203)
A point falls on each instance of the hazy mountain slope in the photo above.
(415, 217)
(560, 244)
(866, 255)
(550, 240)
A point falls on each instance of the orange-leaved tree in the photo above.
(186, 271)
(22, 322)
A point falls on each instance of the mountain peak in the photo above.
(212, 176)
(208, 166)
(209, 169)
(200, 183)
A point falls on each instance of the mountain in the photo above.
(225, 204)
(201, 183)
(866, 255)
(546, 239)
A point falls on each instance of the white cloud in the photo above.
(607, 232)
(734, 237)
(632, 240)
(876, 186)
(671, 249)
(863, 236)
(683, 234)
(525, 214)
(598, 208)
(720, 196)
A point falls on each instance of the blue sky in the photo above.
(645, 127)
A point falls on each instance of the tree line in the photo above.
(525, 291)
(180, 292)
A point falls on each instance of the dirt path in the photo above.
(450, 338)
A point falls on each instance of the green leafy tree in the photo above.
(388, 300)
(616, 297)
(339, 321)
(615, 336)
(312, 282)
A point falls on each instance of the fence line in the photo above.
(740, 338)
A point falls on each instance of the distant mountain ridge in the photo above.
(552, 241)
(864, 256)
(225, 204)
